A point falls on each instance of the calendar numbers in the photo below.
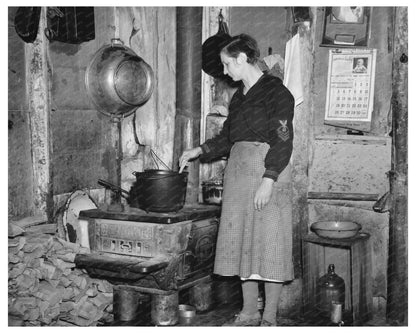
(352, 102)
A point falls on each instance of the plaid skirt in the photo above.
(249, 241)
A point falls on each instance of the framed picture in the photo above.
(346, 26)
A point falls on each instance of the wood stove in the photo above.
(156, 253)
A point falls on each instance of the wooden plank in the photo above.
(165, 88)
(397, 272)
(346, 242)
(37, 78)
(210, 87)
(43, 229)
(30, 221)
(355, 139)
(301, 143)
(343, 196)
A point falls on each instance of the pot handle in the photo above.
(112, 187)
(116, 41)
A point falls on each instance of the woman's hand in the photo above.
(263, 193)
(188, 155)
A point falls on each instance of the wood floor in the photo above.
(221, 314)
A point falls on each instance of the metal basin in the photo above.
(186, 314)
(336, 229)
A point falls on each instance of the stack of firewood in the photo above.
(46, 289)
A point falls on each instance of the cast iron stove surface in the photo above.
(194, 212)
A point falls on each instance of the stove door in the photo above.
(200, 253)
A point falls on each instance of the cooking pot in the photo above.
(118, 80)
(154, 190)
(211, 49)
(159, 190)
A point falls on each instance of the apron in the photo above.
(249, 241)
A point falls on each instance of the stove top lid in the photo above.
(194, 212)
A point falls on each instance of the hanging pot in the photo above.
(211, 49)
(118, 80)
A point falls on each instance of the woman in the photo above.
(255, 233)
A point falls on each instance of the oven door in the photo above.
(200, 254)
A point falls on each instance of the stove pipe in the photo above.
(188, 91)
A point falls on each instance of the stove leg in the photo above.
(201, 296)
(165, 309)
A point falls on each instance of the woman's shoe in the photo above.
(245, 320)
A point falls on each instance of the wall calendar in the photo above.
(350, 88)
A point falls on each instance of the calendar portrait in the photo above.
(360, 65)
(350, 89)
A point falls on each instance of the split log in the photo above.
(80, 298)
(63, 323)
(51, 313)
(15, 321)
(16, 244)
(88, 310)
(36, 263)
(25, 282)
(91, 292)
(21, 304)
(31, 314)
(78, 280)
(16, 270)
(33, 273)
(59, 263)
(75, 247)
(102, 300)
(68, 257)
(14, 230)
(65, 281)
(67, 307)
(47, 270)
(50, 294)
(36, 253)
(30, 221)
(34, 241)
(49, 228)
(104, 286)
(110, 308)
(43, 306)
(68, 294)
(13, 258)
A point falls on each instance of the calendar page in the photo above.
(350, 89)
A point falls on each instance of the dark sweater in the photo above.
(264, 114)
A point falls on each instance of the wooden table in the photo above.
(352, 260)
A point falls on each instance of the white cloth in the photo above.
(293, 78)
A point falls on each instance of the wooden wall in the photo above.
(83, 143)
(351, 164)
(20, 175)
(155, 42)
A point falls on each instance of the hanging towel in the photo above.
(292, 77)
